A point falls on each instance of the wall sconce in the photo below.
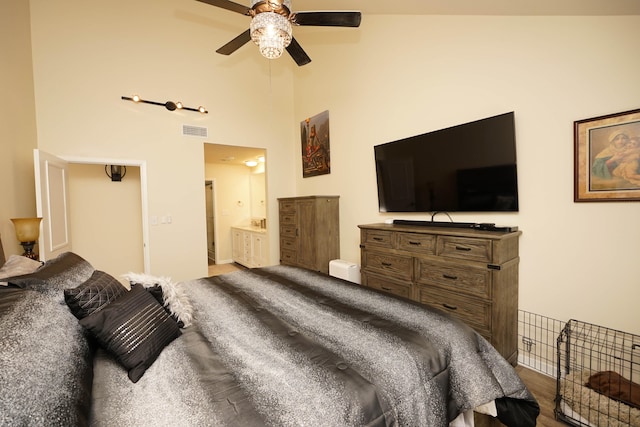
(115, 172)
(27, 233)
(169, 105)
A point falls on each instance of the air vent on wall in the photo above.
(201, 132)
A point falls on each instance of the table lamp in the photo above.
(27, 232)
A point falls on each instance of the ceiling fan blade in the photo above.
(297, 53)
(327, 19)
(229, 5)
(235, 44)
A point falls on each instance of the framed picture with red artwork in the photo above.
(314, 133)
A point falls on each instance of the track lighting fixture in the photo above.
(169, 105)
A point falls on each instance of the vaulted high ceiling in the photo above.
(475, 7)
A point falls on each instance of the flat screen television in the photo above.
(465, 168)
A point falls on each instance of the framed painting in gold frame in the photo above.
(607, 158)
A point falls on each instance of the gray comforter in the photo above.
(283, 346)
(45, 355)
(276, 346)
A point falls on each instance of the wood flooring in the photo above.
(218, 269)
(543, 388)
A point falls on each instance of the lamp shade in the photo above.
(27, 229)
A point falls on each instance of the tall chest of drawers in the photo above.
(309, 231)
(471, 274)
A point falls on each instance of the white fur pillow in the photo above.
(18, 265)
(174, 297)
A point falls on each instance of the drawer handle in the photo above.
(462, 248)
(447, 276)
(378, 239)
(386, 264)
(384, 288)
(450, 307)
(415, 243)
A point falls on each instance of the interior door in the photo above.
(52, 204)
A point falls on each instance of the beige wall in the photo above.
(396, 76)
(17, 121)
(88, 54)
(106, 219)
(399, 76)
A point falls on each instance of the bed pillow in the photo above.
(134, 328)
(17, 265)
(67, 270)
(170, 295)
(93, 294)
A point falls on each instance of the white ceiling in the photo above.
(474, 7)
(230, 155)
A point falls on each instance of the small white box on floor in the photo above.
(344, 270)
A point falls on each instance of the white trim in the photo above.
(216, 246)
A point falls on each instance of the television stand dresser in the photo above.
(471, 274)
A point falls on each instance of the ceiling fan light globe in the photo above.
(272, 33)
(271, 48)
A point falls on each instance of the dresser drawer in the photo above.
(287, 205)
(287, 243)
(475, 313)
(464, 248)
(461, 279)
(377, 238)
(287, 257)
(398, 266)
(288, 218)
(395, 287)
(287, 230)
(418, 243)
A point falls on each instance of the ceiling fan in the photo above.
(271, 22)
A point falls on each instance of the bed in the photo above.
(278, 346)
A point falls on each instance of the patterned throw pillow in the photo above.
(134, 328)
(171, 296)
(94, 294)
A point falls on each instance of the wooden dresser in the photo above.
(309, 231)
(468, 273)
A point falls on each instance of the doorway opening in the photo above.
(211, 230)
(117, 212)
(236, 198)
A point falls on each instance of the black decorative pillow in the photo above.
(94, 294)
(171, 296)
(156, 292)
(134, 328)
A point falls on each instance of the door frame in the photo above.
(144, 195)
(216, 237)
(215, 219)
